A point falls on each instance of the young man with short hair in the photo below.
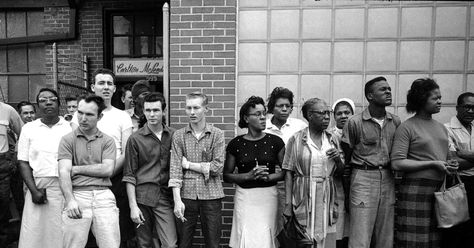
(367, 141)
(118, 125)
(126, 97)
(71, 106)
(89, 203)
(146, 174)
(197, 160)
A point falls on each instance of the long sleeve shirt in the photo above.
(208, 150)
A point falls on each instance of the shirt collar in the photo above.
(456, 124)
(270, 125)
(61, 121)
(366, 115)
(305, 133)
(78, 132)
(147, 131)
(207, 128)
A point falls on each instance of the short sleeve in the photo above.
(126, 120)
(279, 143)
(24, 144)
(401, 143)
(108, 149)
(65, 150)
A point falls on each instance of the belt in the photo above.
(368, 167)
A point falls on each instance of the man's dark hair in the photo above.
(419, 93)
(98, 101)
(69, 98)
(244, 110)
(50, 90)
(462, 97)
(156, 97)
(125, 88)
(370, 83)
(102, 71)
(279, 92)
(24, 103)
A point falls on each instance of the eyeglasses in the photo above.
(46, 99)
(258, 114)
(468, 107)
(280, 106)
(322, 113)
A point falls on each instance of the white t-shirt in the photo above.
(38, 144)
(291, 126)
(113, 123)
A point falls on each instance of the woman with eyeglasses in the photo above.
(312, 158)
(255, 155)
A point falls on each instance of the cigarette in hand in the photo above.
(139, 224)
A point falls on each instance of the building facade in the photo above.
(232, 49)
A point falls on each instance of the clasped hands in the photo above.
(258, 173)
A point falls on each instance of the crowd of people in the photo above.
(121, 177)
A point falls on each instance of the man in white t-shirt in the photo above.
(117, 124)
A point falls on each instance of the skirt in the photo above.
(42, 223)
(254, 222)
(415, 220)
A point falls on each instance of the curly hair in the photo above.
(279, 92)
(244, 110)
(419, 93)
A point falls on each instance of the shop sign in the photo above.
(138, 67)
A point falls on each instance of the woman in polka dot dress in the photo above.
(255, 155)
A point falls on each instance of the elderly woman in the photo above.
(420, 150)
(312, 158)
(255, 155)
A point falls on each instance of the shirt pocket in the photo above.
(369, 143)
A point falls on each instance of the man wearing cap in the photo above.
(139, 90)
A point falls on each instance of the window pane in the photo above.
(143, 45)
(315, 23)
(285, 24)
(252, 3)
(159, 46)
(383, 22)
(17, 58)
(381, 56)
(416, 22)
(252, 57)
(122, 46)
(36, 58)
(36, 83)
(16, 24)
(415, 55)
(35, 23)
(250, 85)
(449, 55)
(284, 2)
(470, 82)
(316, 56)
(144, 25)
(17, 86)
(252, 25)
(315, 86)
(3, 28)
(287, 81)
(450, 86)
(122, 25)
(284, 57)
(472, 22)
(471, 56)
(349, 86)
(349, 23)
(3, 59)
(451, 21)
(348, 56)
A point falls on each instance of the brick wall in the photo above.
(202, 57)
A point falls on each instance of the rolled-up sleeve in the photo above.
(176, 170)
(215, 167)
(131, 162)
